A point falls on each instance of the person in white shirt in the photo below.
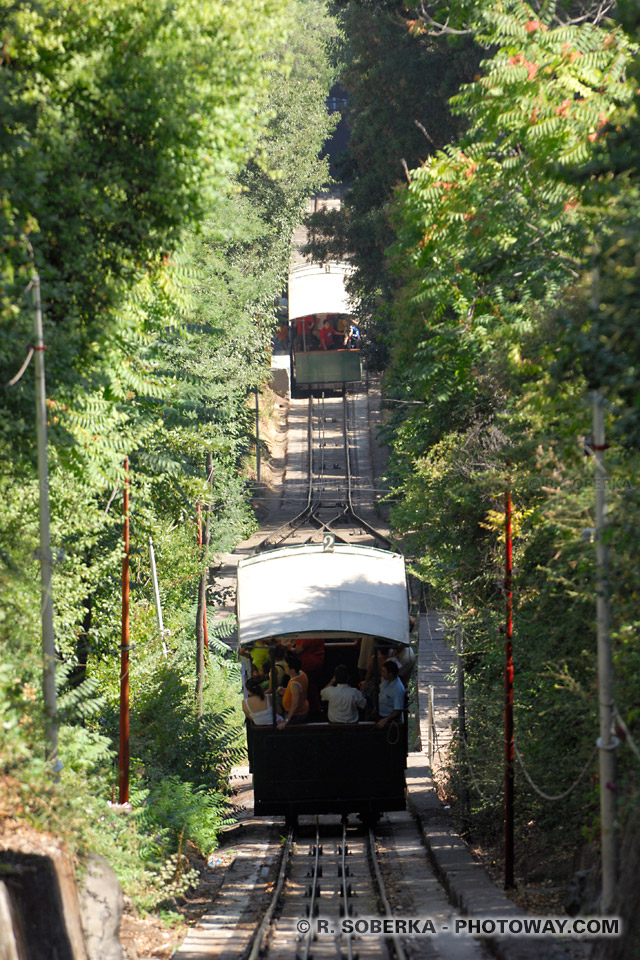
(343, 699)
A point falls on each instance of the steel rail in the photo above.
(367, 526)
(382, 892)
(308, 515)
(308, 936)
(345, 887)
(275, 538)
(257, 945)
(323, 439)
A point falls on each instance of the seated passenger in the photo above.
(343, 699)
(294, 696)
(391, 698)
(257, 706)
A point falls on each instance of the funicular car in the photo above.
(317, 291)
(353, 598)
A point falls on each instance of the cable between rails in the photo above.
(345, 888)
(314, 892)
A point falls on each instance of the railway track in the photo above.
(332, 438)
(325, 877)
(325, 870)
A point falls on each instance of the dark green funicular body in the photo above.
(328, 366)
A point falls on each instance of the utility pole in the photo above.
(205, 625)
(508, 694)
(606, 742)
(123, 757)
(201, 615)
(156, 594)
(462, 726)
(257, 437)
(46, 588)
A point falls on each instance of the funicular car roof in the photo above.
(311, 589)
(319, 288)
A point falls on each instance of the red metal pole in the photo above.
(205, 625)
(123, 765)
(508, 697)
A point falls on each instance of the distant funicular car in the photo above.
(351, 598)
(317, 292)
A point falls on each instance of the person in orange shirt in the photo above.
(294, 697)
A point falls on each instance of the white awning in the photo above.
(316, 288)
(309, 589)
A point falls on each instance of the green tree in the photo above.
(514, 252)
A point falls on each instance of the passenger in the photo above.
(282, 342)
(405, 658)
(279, 653)
(326, 336)
(303, 333)
(341, 331)
(391, 698)
(367, 646)
(311, 653)
(257, 706)
(294, 696)
(316, 328)
(265, 677)
(279, 663)
(343, 699)
(258, 654)
(354, 337)
(385, 651)
(257, 675)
